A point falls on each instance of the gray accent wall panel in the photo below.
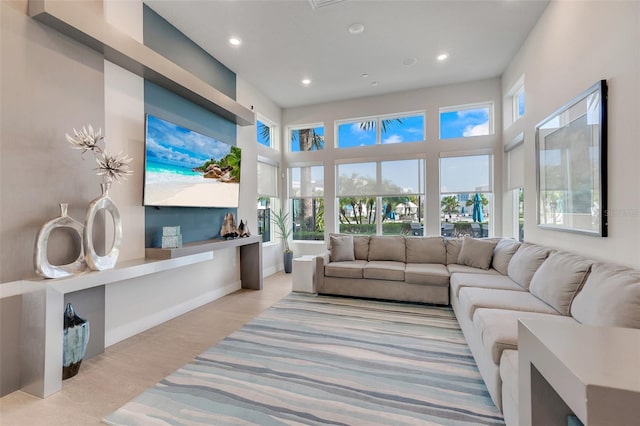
(49, 84)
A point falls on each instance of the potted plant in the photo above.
(281, 221)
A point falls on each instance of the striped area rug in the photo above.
(326, 360)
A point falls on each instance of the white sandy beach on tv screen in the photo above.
(207, 193)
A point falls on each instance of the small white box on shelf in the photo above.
(172, 241)
(170, 231)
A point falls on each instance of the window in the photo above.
(514, 156)
(518, 103)
(265, 133)
(466, 121)
(518, 213)
(395, 189)
(393, 129)
(306, 192)
(267, 197)
(466, 196)
(306, 138)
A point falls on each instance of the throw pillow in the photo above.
(503, 253)
(476, 253)
(341, 248)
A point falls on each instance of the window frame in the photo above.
(291, 198)
(378, 126)
(273, 133)
(274, 198)
(465, 107)
(292, 128)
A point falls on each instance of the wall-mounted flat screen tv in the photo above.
(184, 168)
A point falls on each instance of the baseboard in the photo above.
(270, 271)
(124, 332)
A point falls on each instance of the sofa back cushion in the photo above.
(476, 253)
(453, 249)
(502, 254)
(341, 248)
(360, 245)
(426, 250)
(387, 248)
(610, 297)
(559, 279)
(525, 262)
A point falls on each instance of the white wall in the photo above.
(573, 45)
(428, 100)
(250, 97)
(136, 305)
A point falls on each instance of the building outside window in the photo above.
(382, 197)
(306, 194)
(306, 138)
(267, 197)
(466, 196)
(466, 121)
(381, 130)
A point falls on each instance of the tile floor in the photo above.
(124, 370)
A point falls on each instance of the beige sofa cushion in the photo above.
(610, 297)
(525, 262)
(341, 248)
(454, 268)
(453, 249)
(352, 269)
(426, 273)
(502, 254)
(426, 250)
(460, 280)
(498, 328)
(476, 253)
(472, 298)
(559, 279)
(360, 245)
(387, 247)
(384, 270)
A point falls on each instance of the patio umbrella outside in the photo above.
(477, 208)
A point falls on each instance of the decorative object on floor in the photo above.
(229, 229)
(171, 237)
(571, 167)
(243, 229)
(40, 259)
(281, 220)
(111, 168)
(327, 360)
(74, 346)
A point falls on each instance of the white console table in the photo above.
(43, 302)
(592, 372)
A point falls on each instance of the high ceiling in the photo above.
(285, 41)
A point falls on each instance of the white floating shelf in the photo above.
(117, 47)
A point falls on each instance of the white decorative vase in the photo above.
(104, 202)
(40, 259)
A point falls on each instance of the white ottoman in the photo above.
(303, 271)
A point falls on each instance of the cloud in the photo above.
(356, 129)
(477, 130)
(393, 139)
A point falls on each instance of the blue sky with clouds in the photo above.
(171, 144)
(464, 123)
(410, 130)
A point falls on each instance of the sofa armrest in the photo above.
(321, 260)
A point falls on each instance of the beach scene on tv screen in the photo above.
(186, 168)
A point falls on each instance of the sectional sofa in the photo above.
(490, 284)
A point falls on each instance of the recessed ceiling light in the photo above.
(235, 41)
(306, 81)
(356, 28)
(441, 57)
(374, 83)
(365, 75)
(410, 62)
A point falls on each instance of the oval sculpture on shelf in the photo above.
(104, 202)
(40, 259)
